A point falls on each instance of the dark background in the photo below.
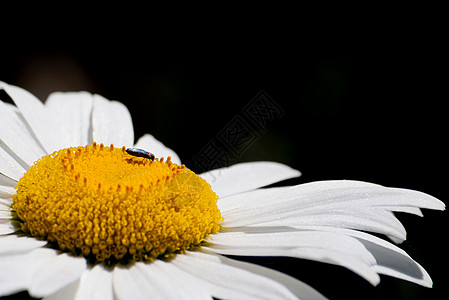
(364, 101)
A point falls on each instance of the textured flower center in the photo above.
(109, 206)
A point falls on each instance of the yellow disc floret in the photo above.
(109, 206)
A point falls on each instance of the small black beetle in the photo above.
(139, 153)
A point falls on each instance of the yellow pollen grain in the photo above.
(109, 206)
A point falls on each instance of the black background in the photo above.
(364, 98)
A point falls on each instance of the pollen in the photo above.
(111, 207)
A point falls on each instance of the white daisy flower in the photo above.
(80, 218)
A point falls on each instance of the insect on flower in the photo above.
(140, 153)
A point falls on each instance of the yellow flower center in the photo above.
(109, 206)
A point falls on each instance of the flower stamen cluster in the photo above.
(109, 206)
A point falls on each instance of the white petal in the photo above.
(314, 245)
(130, 284)
(12, 244)
(353, 193)
(247, 176)
(16, 138)
(405, 209)
(5, 214)
(60, 271)
(35, 115)
(67, 293)
(299, 288)
(10, 167)
(367, 219)
(7, 228)
(184, 282)
(390, 260)
(393, 261)
(233, 204)
(397, 264)
(150, 144)
(5, 204)
(6, 192)
(73, 116)
(95, 283)
(22, 269)
(224, 280)
(18, 275)
(111, 123)
(6, 182)
(159, 279)
(153, 275)
(269, 207)
(347, 204)
(289, 239)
